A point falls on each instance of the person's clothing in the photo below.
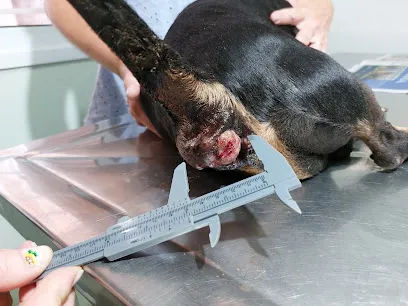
(109, 98)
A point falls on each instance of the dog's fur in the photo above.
(225, 66)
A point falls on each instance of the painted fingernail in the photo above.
(78, 277)
(38, 256)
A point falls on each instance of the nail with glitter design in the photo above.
(31, 257)
(38, 256)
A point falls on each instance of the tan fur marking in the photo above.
(266, 131)
(184, 86)
(403, 129)
(364, 130)
(251, 170)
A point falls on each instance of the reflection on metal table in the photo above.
(349, 246)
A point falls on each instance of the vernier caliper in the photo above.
(182, 215)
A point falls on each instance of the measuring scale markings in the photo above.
(182, 215)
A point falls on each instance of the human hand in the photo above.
(132, 88)
(313, 19)
(18, 268)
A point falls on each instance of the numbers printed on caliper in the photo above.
(168, 217)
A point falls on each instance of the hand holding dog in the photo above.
(132, 88)
(313, 19)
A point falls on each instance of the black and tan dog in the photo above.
(225, 71)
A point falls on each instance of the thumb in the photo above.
(288, 16)
(133, 91)
(19, 267)
(132, 86)
(55, 288)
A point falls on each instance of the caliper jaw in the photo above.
(279, 171)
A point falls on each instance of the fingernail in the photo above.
(78, 277)
(274, 17)
(38, 256)
(131, 91)
(32, 244)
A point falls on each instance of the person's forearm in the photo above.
(67, 20)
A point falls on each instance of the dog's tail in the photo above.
(128, 36)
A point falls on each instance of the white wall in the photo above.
(379, 26)
(28, 46)
(46, 84)
(43, 100)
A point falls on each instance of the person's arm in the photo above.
(71, 24)
(68, 21)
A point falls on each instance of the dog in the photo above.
(225, 71)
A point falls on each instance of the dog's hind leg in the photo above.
(342, 153)
(312, 164)
(388, 144)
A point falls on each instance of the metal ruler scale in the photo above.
(182, 215)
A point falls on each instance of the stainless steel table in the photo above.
(350, 245)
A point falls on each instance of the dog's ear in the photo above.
(129, 37)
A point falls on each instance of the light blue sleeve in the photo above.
(109, 99)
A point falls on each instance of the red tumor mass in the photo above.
(229, 145)
(228, 149)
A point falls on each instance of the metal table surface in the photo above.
(350, 245)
